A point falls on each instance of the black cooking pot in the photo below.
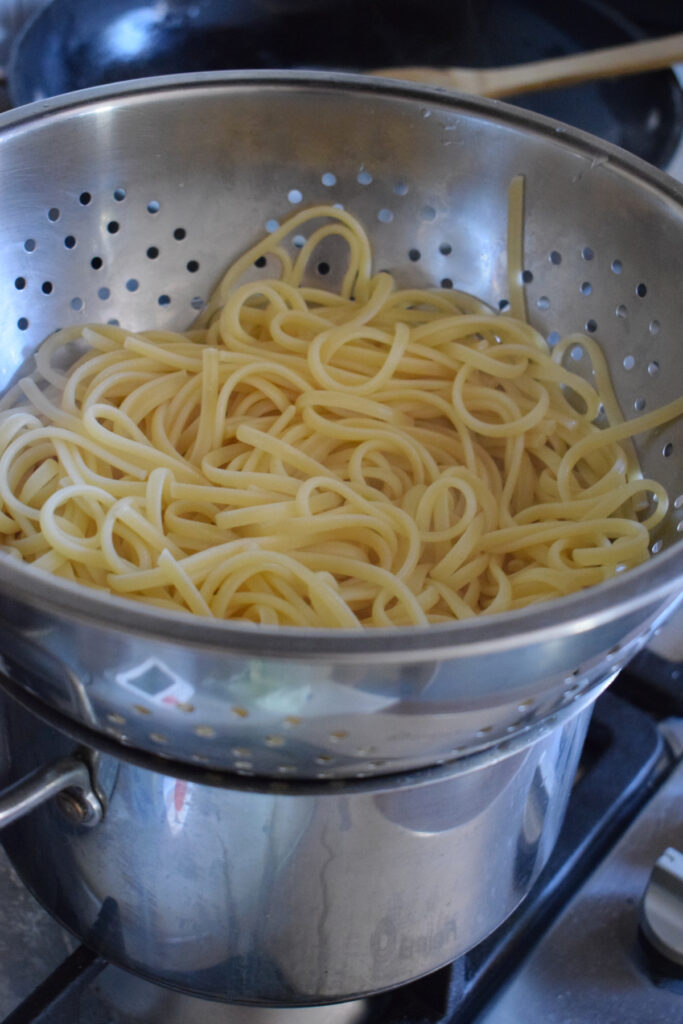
(72, 44)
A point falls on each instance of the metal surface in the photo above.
(68, 779)
(590, 967)
(298, 893)
(196, 167)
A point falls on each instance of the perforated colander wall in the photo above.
(129, 210)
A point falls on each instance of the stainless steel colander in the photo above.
(124, 203)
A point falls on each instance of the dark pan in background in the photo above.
(72, 44)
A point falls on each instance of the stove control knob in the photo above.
(661, 918)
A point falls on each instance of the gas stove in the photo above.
(574, 952)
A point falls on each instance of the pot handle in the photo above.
(68, 779)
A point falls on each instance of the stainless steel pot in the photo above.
(290, 893)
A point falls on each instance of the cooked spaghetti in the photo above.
(374, 456)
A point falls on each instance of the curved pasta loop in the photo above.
(364, 457)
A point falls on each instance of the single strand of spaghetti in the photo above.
(192, 518)
(281, 424)
(604, 388)
(504, 361)
(424, 512)
(274, 446)
(469, 573)
(379, 544)
(28, 545)
(349, 402)
(483, 398)
(458, 608)
(282, 587)
(432, 302)
(114, 530)
(340, 566)
(397, 347)
(461, 551)
(365, 308)
(76, 549)
(18, 458)
(623, 550)
(526, 581)
(598, 507)
(233, 331)
(293, 330)
(51, 561)
(246, 564)
(441, 405)
(157, 490)
(379, 616)
(13, 422)
(72, 459)
(174, 574)
(603, 380)
(601, 438)
(619, 497)
(356, 259)
(165, 355)
(332, 610)
(323, 301)
(138, 446)
(556, 378)
(94, 369)
(503, 597)
(285, 612)
(515, 247)
(46, 350)
(41, 404)
(264, 370)
(278, 511)
(357, 429)
(103, 337)
(182, 407)
(513, 538)
(156, 432)
(147, 397)
(41, 478)
(514, 451)
(351, 353)
(266, 245)
(444, 332)
(203, 442)
(367, 462)
(119, 383)
(362, 498)
(154, 538)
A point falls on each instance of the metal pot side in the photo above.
(293, 896)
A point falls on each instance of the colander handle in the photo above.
(69, 779)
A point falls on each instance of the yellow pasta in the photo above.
(370, 457)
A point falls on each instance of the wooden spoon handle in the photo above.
(610, 62)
